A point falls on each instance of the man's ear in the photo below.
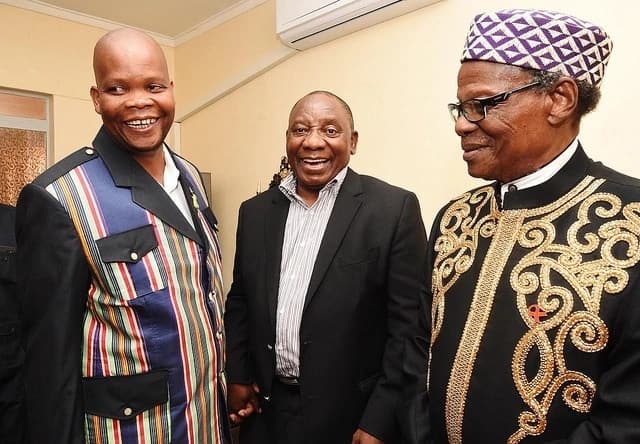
(95, 98)
(564, 100)
(354, 142)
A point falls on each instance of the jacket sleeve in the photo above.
(52, 282)
(406, 282)
(236, 319)
(413, 413)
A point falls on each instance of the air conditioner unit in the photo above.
(302, 24)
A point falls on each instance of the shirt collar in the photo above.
(171, 172)
(543, 174)
(289, 184)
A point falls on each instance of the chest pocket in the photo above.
(7, 264)
(132, 263)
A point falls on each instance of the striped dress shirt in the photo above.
(303, 234)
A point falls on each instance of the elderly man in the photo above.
(326, 288)
(119, 274)
(534, 310)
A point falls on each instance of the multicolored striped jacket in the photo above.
(122, 301)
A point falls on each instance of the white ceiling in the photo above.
(170, 20)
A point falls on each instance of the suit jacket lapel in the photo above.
(345, 208)
(145, 191)
(275, 221)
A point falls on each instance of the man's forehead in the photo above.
(118, 61)
(323, 103)
(489, 73)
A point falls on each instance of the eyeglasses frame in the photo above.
(486, 102)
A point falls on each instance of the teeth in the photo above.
(314, 161)
(140, 123)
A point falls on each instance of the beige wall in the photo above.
(211, 61)
(52, 56)
(398, 77)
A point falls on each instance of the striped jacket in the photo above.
(122, 301)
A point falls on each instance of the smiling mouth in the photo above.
(141, 123)
(469, 152)
(314, 161)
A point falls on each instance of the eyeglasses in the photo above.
(474, 110)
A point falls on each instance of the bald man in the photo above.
(119, 274)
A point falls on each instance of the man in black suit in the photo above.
(328, 273)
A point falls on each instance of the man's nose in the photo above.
(139, 99)
(463, 126)
(314, 139)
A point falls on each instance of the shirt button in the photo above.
(127, 411)
(133, 256)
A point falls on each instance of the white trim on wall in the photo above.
(24, 123)
(86, 19)
(216, 20)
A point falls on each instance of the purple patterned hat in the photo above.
(544, 40)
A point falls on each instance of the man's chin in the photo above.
(315, 182)
(143, 144)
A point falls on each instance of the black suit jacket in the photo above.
(11, 354)
(362, 302)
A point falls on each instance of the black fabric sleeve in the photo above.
(413, 415)
(236, 320)
(52, 282)
(405, 282)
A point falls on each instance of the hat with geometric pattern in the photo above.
(543, 40)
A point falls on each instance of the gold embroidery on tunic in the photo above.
(566, 285)
(481, 304)
(456, 246)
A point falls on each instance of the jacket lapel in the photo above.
(145, 191)
(275, 221)
(345, 208)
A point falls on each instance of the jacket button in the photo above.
(269, 347)
(127, 411)
(89, 151)
(133, 256)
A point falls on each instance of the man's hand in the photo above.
(242, 401)
(362, 437)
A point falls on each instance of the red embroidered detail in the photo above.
(536, 312)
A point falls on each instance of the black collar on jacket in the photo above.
(547, 192)
(145, 190)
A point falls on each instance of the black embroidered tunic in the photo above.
(535, 312)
